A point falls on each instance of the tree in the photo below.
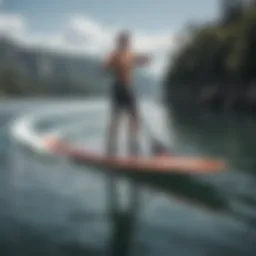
(217, 53)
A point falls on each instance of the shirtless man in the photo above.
(121, 62)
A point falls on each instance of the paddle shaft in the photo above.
(157, 146)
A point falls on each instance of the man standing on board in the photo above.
(121, 63)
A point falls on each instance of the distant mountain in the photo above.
(51, 73)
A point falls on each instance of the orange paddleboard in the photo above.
(171, 164)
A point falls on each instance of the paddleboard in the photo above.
(146, 164)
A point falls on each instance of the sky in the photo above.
(89, 26)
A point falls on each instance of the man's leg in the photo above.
(134, 129)
(133, 126)
(112, 132)
(112, 190)
(134, 150)
(115, 108)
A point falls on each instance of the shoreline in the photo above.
(242, 98)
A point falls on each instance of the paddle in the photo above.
(157, 147)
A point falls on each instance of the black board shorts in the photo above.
(123, 99)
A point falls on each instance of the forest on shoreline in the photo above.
(217, 64)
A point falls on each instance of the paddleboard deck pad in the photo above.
(146, 164)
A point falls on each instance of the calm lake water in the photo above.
(53, 207)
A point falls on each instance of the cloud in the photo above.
(86, 35)
(87, 29)
(83, 35)
(153, 42)
(12, 25)
(95, 38)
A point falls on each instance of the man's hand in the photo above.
(142, 60)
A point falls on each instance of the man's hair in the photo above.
(123, 37)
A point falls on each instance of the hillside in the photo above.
(34, 71)
(217, 65)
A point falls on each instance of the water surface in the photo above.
(57, 208)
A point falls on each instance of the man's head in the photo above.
(123, 39)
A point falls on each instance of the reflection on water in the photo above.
(228, 135)
(57, 208)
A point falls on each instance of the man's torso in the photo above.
(123, 66)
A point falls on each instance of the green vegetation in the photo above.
(26, 72)
(15, 83)
(223, 55)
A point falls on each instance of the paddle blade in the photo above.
(158, 148)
